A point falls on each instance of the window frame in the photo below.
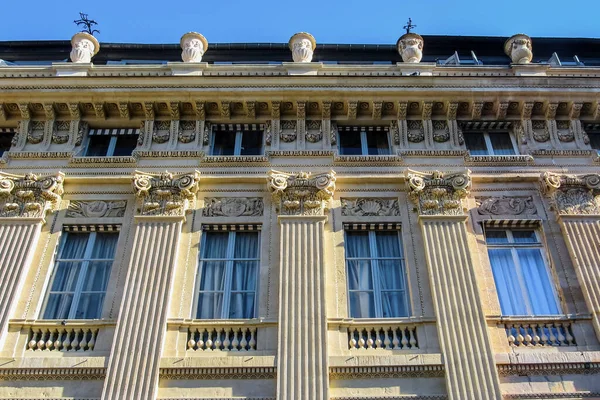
(112, 144)
(518, 270)
(374, 271)
(364, 143)
(237, 145)
(84, 264)
(595, 134)
(227, 286)
(488, 142)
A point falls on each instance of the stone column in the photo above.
(302, 361)
(24, 201)
(576, 199)
(135, 355)
(468, 358)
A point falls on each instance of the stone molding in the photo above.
(219, 373)
(370, 206)
(232, 206)
(396, 371)
(96, 208)
(164, 194)
(572, 194)
(52, 374)
(29, 195)
(586, 368)
(438, 193)
(301, 193)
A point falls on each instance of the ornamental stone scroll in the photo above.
(29, 196)
(438, 193)
(573, 194)
(301, 193)
(164, 194)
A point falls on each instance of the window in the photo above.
(489, 143)
(376, 274)
(363, 140)
(237, 140)
(522, 278)
(111, 142)
(594, 140)
(227, 276)
(81, 271)
(6, 137)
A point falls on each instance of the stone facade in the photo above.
(301, 194)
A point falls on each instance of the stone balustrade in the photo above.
(532, 332)
(241, 337)
(389, 337)
(54, 336)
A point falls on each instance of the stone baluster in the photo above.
(162, 203)
(24, 202)
(576, 200)
(470, 368)
(301, 201)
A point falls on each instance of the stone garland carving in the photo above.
(542, 126)
(81, 131)
(438, 193)
(520, 132)
(29, 195)
(206, 134)
(35, 133)
(441, 132)
(60, 132)
(565, 133)
(506, 205)
(288, 136)
(164, 194)
(314, 133)
(96, 209)
(370, 207)
(395, 131)
(301, 193)
(573, 194)
(268, 133)
(233, 207)
(419, 135)
(187, 131)
(161, 132)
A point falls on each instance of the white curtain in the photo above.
(212, 281)
(391, 275)
(243, 283)
(509, 290)
(360, 284)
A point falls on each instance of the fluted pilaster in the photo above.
(469, 364)
(302, 366)
(135, 355)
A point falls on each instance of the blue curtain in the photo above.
(243, 283)
(212, 281)
(391, 275)
(360, 280)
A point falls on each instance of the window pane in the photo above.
(362, 305)
(65, 276)
(388, 244)
(357, 244)
(251, 143)
(539, 287)
(74, 246)
(5, 142)
(244, 275)
(125, 145)
(594, 140)
(510, 293)
(90, 306)
(502, 144)
(97, 275)
(241, 306)
(524, 237)
(105, 245)
(246, 245)
(377, 142)
(215, 245)
(350, 143)
(98, 146)
(58, 306)
(210, 306)
(224, 143)
(476, 144)
(394, 304)
(213, 276)
(496, 237)
(391, 274)
(359, 275)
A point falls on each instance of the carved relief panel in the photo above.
(233, 206)
(365, 207)
(96, 208)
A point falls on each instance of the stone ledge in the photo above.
(52, 374)
(396, 371)
(218, 373)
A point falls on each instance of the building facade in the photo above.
(419, 221)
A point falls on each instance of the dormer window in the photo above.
(111, 142)
(237, 140)
(364, 140)
(6, 137)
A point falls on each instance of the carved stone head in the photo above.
(302, 46)
(518, 48)
(410, 47)
(193, 46)
(84, 47)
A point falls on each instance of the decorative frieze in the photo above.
(29, 195)
(573, 194)
(96, 209)
(506, 205)
(233, 206)
(438, 193)
(370, 207)
(164, 194)
(301, 193)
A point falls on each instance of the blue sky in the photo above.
(349, 21)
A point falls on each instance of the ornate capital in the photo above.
(164, 194)
(301, 193)
(438, 193)
(573, 194)
(29, 196)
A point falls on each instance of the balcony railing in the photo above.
(391, 337)
(230, 338)
(538, 331)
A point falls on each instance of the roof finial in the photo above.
(88, 23)
(409, 25)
